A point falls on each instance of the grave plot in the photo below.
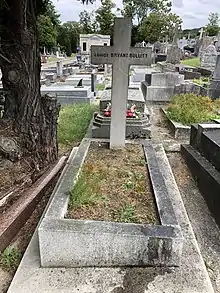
(202, 157)
(187, 109)
(114, 187)
(108, 240)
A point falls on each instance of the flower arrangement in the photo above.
(131, 111)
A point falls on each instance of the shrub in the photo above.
(73, 122)
(190, 108)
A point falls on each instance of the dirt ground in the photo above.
(116, 185)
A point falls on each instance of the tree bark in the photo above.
(34, 118)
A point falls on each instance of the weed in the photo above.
(10, 258)
(203, 81)
(126, 214)
(139, 176)
(73, 122)
(129, 184)
(81, 195)
(100, 87)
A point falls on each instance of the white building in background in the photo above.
(86, 41)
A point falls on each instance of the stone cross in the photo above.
(121, 55)
(201, 33)
(175, 36)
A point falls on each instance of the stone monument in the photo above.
(214, 90)
(121, 55)
(209, 57)
(174, 52)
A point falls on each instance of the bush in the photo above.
(190, 108)
(73, 122)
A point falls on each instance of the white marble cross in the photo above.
(201, 33)
(121, 56)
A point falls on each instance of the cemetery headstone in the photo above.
(121, 55)
(217, 44)
(59, 68)
(182, 43)
(208, 58)
(214, 90)
(174, 52)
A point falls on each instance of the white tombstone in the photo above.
(121, 56)
(182, 43)
(59, 68)
(201, 33)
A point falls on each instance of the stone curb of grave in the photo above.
(95, 243)
(178, 130)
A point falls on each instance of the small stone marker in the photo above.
(121, 56)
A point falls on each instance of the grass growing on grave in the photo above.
(113, 186)
(73, 123)
(10, 258)
(100, 87)
(194, 62)
(190, 108)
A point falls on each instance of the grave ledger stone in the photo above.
(121, 56)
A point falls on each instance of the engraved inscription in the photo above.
(121, 55)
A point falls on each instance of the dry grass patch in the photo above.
(114, 186)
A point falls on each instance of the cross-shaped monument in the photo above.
(201, 33)
(121, 56)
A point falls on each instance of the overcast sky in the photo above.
(193, 12)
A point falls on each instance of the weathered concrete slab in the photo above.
(67, 94)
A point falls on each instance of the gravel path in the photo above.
(204, 226)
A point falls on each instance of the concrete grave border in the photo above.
(178, 130)
(84, 243)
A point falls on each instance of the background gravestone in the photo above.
(214, 90)
(209, 57)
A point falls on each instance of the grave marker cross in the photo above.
(121, 56)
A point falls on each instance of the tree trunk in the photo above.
(34, 118)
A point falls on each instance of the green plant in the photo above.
(190, 108)
(10, 258)
(87, 188)
(125, 214)
(100, 87)
(129, 184)
(73, 122)
(203, 81)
